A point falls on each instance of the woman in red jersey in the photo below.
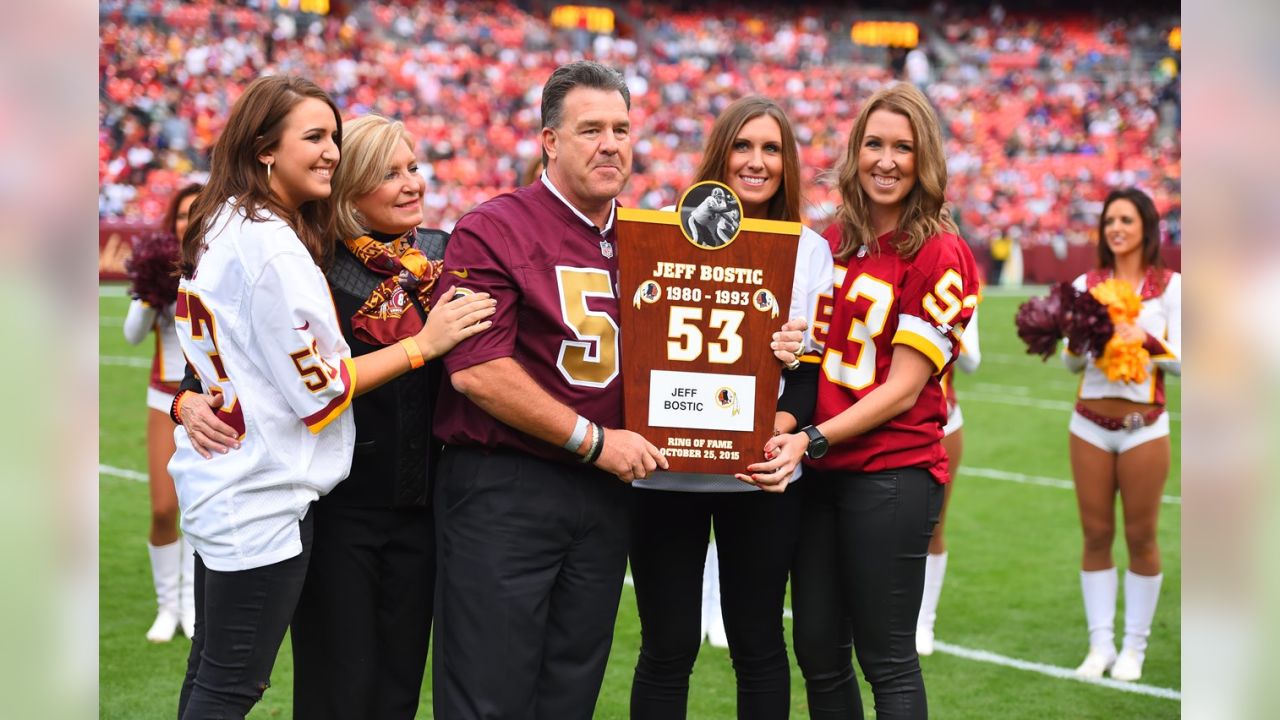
(905, 285)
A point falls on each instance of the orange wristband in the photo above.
(415, 355)
(175, 407)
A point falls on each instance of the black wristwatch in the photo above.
(818, 444)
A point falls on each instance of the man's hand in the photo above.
(206, 432)
(788, 343)
(629, 456)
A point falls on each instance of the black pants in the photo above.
(531, 559)
(857, 581)
(241, 618)
(755, 541)
(363, 623)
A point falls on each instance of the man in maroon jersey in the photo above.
(531, 502)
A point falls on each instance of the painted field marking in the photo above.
(1039, 404)
(1059, 483)
(962, 652)
(121, 473)
(124, 360)
(1052, 671)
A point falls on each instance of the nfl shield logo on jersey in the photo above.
(606, 248)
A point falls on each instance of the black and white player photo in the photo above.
(710, 215)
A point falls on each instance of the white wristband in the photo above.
(579, 434)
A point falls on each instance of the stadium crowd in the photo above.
(1043, 116)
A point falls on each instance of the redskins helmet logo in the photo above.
(764, 301)
(727, 399)
(649, 291)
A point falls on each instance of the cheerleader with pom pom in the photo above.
(154, 287)
(1123, 323)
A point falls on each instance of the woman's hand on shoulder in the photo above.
(451, 322)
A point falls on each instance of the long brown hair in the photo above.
(253, 128)
(924, 212)
(170, 224)
(785, 203)
(1150, 228)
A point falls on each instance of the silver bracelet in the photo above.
(597, 444)
(579, 434)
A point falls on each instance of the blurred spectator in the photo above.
(1043, 113)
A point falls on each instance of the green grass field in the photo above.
(1010, 611)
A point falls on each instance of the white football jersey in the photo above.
(258, 324)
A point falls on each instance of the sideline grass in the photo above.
(1012, 581)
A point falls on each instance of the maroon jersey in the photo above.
(555, 280)
(882, 300)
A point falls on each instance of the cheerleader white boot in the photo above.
(712, 615)
(1099, 588)
(166, 566)
(935, 570)
(188, 589)
(1141, 594)
(1100, 611)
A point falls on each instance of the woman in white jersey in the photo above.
(172, 572)
(752, 149)
(258, 325)
(1120, 438)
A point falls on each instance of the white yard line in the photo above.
(1052, 671)
(124, 360)
(1059, 405)
(994, 474)
(944, 647)
(1007, 359)
(121, 473)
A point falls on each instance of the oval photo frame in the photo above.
(710, 215)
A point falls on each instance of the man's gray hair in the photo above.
(583, 73)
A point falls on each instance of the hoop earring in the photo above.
(268, 173)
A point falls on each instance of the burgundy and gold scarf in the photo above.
(387, 317)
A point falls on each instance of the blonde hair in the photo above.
(368, 145)
(924, 210)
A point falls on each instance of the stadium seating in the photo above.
(1044, 115)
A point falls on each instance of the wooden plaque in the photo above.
(699, 379)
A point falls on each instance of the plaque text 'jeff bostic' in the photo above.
(710, 273)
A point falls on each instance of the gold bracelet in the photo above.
(415, 355)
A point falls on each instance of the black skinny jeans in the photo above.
(241, 618)
(755, 541)
(857, 581)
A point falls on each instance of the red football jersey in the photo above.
(878, 301)
(555, 280)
